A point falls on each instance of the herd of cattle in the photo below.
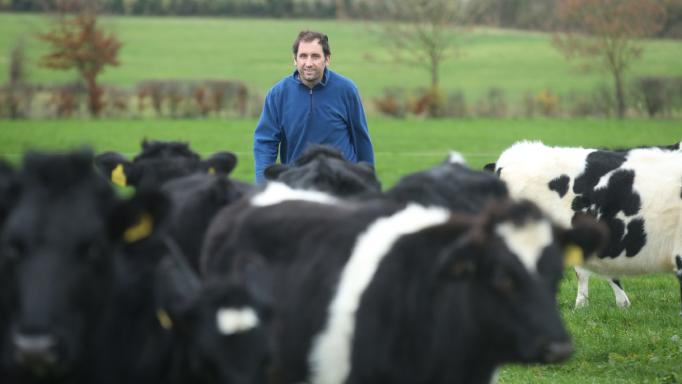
(318, 276)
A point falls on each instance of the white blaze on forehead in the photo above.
(275, 193)
(236, 320)
(329, 358)
(527, 241)
(456, 158)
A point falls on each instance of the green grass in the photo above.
(640, 345)
(258, 52)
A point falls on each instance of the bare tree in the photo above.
(420, 33)
(78, 42)
(606, 32)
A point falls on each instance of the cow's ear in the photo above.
(273, 171)
(586, 238)
(138, 217)
(176, 291)
(490, 167)
(220, 162)
(114, 167)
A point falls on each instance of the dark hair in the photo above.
(309, 36)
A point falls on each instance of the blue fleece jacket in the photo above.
(295, 116)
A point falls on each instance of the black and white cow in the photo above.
(323, 168)
(452, 185)
(378, 292)
(637, 193)
(159, 162)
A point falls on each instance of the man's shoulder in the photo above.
(338, 80)
(282, 84)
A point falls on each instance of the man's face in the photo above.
(310, 62)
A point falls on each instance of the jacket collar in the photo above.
(323, 82)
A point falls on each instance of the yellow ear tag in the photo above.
(573, 256)
(139, 231)
(211, 170)
(118, 176)
(164, 319)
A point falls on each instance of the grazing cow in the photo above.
(379, 292)
(637, 193)
(323, 168)
(159, 162)
(452, 185)
(195, 199)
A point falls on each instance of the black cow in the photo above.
(195, 199)
(452, 185)
(636, 192)
(323, 168)
(57, 249)
(378, 292)
(159, 162)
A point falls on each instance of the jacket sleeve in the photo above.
(363, 144)
(266, 138)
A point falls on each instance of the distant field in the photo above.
(258, 52)
(639, 345)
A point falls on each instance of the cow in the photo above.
(636, 192)
(451, 184)
(195, 199)
(379, 291)
(323, 168)
(160, 161)
(57, 248)
(91, 298)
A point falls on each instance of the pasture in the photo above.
(640, 345)
(258, 52)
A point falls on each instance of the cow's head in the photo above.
(57, 250)
(323, 168)
(159, 162)
(512, 261)
(218, 323)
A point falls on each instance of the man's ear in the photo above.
(586, 238)
(114, 166)
(220, 162)
(273, 171)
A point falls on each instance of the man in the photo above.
(314, 105)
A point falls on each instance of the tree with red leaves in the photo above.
(607, 32)
(78, 42)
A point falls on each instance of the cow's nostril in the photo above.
(35, 350)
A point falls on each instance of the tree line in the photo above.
(518, 14)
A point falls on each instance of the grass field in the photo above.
(258, 52)
(640, 345)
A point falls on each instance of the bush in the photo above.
(392, 102)
(657, 95)
(493, 104)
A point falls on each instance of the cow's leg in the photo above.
(583, 287)
(621, 297)
(678, 273)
